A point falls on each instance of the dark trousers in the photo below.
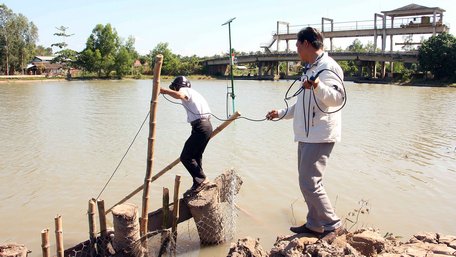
(192, 154)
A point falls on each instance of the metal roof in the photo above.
(412, 10)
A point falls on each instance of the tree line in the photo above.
(106, 54)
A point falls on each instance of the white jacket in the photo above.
(321, 127)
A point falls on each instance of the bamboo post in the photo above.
(45, 247)
(175, 213)
(92, 233)
(102, 218)
(165, 235)
(91, 216)
(59, 235)
(165, 207)
(175, 162)
(102, 249)
(176, 205)
(151, 143)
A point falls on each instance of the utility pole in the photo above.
(230, 90)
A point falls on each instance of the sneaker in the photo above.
(304, 230)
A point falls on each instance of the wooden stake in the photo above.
(175, 213)
(102, 246)
(59, 235)
(92, 225)
(176, 205)
(45, 247)
(102, 218)
(165, 207)
(91, 216)
(151, 143)
(175, 162)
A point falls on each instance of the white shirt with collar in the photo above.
(195, 105)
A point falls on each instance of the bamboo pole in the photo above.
(45, 247)
(176, 206)
(165, 235)
(165, 207)
(59, 235)
(102, 218)
(175, 213)
(92, 225)
(175, 162)
(103, 228)
(151, 143)
(91, 216)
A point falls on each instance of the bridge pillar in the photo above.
(360, 69)
(374, 72)
(260, 67)
(391, 69)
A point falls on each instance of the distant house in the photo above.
(42, 65)
(137, 64)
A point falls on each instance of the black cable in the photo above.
(286, 98)
(307, 116)
(343, 86)
(209, 113)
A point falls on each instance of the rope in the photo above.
(123, 157)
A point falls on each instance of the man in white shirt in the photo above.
(316, 128)
(198, 115)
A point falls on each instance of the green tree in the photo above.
(18, 37)
(101, 49)
(123, 62)
(27, 34)
(63, 54)
(356, 47)
(438, 55)
(43, 51)
(125, 57)
(408, 43)
(6, 16)
(67, 57)
(190, 65)
(170, 61)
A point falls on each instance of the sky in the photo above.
(195, 27)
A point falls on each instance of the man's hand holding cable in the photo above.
(272, 115)
(308, 83)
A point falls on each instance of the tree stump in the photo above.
(126, 230)
(207, 213)
(13, 250)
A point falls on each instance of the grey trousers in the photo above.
(312, 160)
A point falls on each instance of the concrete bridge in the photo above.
(408, 20)
(267, 63)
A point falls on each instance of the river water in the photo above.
(61, 141)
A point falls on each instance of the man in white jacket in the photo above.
(317, 126)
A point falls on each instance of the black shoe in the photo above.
(303, 229)
(196, 188)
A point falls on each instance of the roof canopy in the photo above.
(413, 10)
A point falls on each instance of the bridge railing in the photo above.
(416, 21)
